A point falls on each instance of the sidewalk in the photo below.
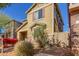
(8, 52)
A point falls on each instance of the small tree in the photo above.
(40, 36)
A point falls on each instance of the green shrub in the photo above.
(40, 36)
(23, 48)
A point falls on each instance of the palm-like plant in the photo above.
(4, 19)
(40, 36)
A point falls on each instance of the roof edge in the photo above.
(21, 26)
(30, 8)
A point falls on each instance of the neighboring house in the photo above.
(74, 24)
(10, 29)
(74, 16)
(41, 14)
(74, 20)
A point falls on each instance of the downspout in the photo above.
(53, 19)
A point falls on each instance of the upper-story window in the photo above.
(77, 19)
(39, 14)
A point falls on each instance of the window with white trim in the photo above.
(38, 14)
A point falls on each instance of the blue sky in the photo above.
(17, 11)
(64, 12)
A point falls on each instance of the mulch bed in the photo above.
(57, 51)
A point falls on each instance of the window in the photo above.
(38, 14)
(77, 19)
(77, 22)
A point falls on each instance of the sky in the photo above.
(64, 13)
(17, 12)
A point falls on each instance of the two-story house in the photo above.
(41, 14)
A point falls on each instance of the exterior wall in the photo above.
(10, 29)
(62, 37)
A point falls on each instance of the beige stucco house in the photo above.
(46, 14)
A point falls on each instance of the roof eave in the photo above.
(30, 8)
(21, 26)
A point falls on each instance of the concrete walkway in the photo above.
(42, 54)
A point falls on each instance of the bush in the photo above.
(23, 48)
(40, 36)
